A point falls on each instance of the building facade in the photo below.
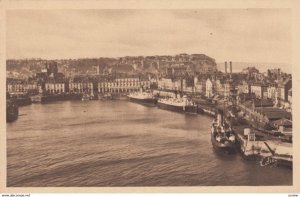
(55, 87)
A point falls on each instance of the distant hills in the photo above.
(261, 66)
(200, 63)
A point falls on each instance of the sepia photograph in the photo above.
(149, 97)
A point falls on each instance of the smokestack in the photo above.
(230, 67)
(225, 67)
(142, 62)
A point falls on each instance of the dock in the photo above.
(259, 146)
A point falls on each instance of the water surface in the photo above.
(118, 143)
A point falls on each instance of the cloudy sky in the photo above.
(244, 35)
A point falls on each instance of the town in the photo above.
(252, 99)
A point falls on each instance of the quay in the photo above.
(263, 146)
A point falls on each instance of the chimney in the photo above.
(230, 67)
(142, 62)
(225, 67)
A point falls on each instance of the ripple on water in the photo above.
(121, 144)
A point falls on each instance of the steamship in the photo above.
(222, 137)
(12, 110)
(182, 105)
(144, 98)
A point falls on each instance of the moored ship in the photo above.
(12, 110)
(144, 98)
(48, 98)
(21, 99)
(222, 136)
(182, 105)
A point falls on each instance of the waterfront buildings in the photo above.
(123, 85)
(55, 87)
(194, 74)
(21, 86)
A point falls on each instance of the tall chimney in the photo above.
(142, 62)
(230, 67)
(225, 67)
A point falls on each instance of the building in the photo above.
(165, 84)
(261, 112)
(259, 89)
(219, 87)
(15, 85)
(122, 85)
(53, 87)
(81, 85)
(244, 87)
(51, 67)
(209, 88)
(283, 87)
(21, 86)
(251, 71)
(198, 86)
(55, 80)
(290, 98)
(271, 89)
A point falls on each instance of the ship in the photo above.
(182, 105)
(12, 110)
(48, 98)
(21, 99)
(119, 96)
(222, 137)
(86, 97)
(144, 98)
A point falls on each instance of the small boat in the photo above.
(209, 112)
(107, 96)
(222, 137)
(36, 98)
(86, 97)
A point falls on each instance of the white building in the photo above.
(55, 87)
(259, 90)
(165, 84)
(208, 88)
(120, 85)
(243, 87)
(272, 92)
(82, 87)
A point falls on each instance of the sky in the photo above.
(242, 35)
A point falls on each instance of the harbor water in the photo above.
(118, 143)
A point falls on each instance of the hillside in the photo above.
(261, 66)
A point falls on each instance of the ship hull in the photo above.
(191, 110)
(180, 109)
(12, 112)
(285, 163)
(169, 107)
(23, 101)
(228, 148)
(223, 145)
(144, 101)
(59, 97)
